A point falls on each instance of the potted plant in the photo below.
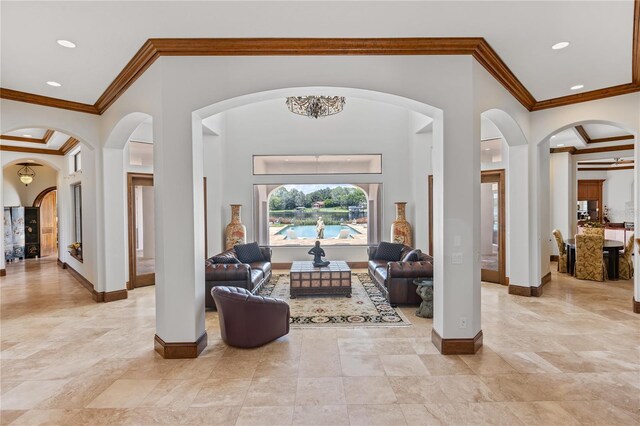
(75, 249)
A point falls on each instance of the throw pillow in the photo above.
(249, 253)
(230, 260)
(389, 251)
(412, 256)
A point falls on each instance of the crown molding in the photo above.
(597, 169)
(68, 146)
(477, 47)
(575, 151)
(569, 149)
(15, 95)
(30, 150)
(592, 95)
(43, 140)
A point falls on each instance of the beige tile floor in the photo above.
(569, 357)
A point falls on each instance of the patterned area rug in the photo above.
(367, 306)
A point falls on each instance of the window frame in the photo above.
(76, 191)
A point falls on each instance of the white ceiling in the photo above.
(570, 137)
(55, 142)
(31, 132)
(108, 34)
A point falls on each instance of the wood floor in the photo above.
(570, 357)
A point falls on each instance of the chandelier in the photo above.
(26, 173)
(315, 106)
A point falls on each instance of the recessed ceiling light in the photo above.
(66, 43)
(487, 149)
(27, 136)
(577, 87)
(560, 45)
(54, 83)
(560, 144)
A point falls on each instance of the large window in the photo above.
(300, 214)
(77, 217)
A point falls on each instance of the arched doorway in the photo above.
(47, 202)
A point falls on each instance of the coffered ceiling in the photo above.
(37, 140)
(108, 35)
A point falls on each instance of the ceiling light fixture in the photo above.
(66, 43)
(560, 45)
(577, 87)
(315, 106)
(26, 173)
(487, 149)
(54, 83)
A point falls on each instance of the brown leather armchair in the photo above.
(248, 321)
(395, 279)
(249, 276)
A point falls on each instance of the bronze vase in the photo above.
(235, 232)
(401, 229)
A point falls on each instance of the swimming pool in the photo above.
(309, 231)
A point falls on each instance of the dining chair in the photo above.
(593, 231)
(625, 262)
(589, 262)
(562, 251)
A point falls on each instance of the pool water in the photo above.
(309, 231)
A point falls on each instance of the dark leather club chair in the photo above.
(247, 321)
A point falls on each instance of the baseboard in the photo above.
(506, 281)
(3, 272)
(112, 296)
(553, 258)
(287, 265)
(457, 346)
(180, 350)
(518, 290)
(62, 264)
(98, 296)
(636, 306)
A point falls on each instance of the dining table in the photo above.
(612, 247)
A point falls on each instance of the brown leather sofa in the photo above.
(395, 279)
(247, 321)
(250, 276)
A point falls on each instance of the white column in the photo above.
(114, 217)
(456, 242)
(179, 214)
(519, 217)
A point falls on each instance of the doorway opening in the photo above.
(47, 201)
(492, 226)
(141, 230)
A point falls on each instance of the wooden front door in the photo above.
(49, 224)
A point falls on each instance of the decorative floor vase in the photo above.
(401, 229)
(236, 232)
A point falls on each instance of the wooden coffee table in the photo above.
(306, 279)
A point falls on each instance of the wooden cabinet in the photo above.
(591, 190)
